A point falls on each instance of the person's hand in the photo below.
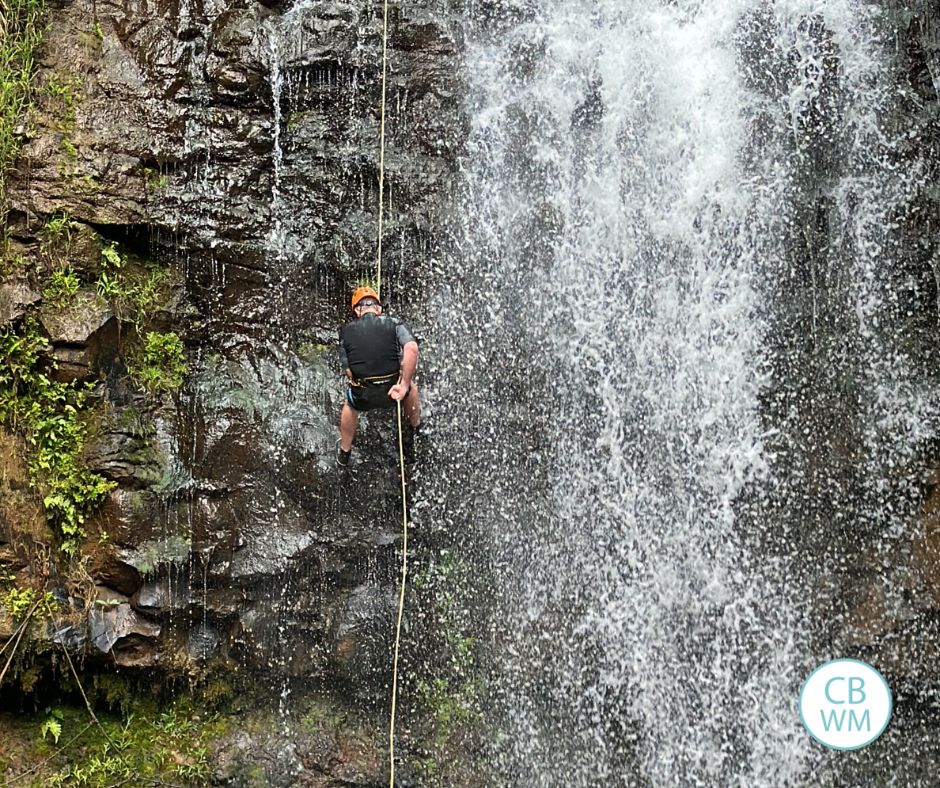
(398, 391)
(348, 373)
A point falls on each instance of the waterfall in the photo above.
(672, 354)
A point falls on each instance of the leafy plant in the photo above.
(112, 257)
(62, 287)
(133, 293)
(47, 414)
(56, 235)
(16, 601)
(52, 724)
(159, 364)
(145, 293)
(108, 286)
(57, 225)
(141, 747)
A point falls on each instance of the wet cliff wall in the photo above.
(207, 171)
(195, 194)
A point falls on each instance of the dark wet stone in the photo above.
(16, 296)
(127, 449)
(203, 641)
(111, 620)
(72, 637)
(108, 570)
(326, 746)
(360, 636)
(83, 334)
(77, 322)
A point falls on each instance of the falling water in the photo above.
(673, 361)
(276, 236)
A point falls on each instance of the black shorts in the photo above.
(369, 396)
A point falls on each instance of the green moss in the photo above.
(295, 119)
(71, 152)
(11, 263)
(154, 180)
(85, 184)
(321, 715)
(149, 556)
(64, 93)
(450, 692)
(314, 352)
(452, 704)
(427, 767)
(144, 743)
(50, 417)
(216, 693)
(92, 39)
(23, 30)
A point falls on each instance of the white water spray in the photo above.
(636, 185)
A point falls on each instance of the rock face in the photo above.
(238, 142)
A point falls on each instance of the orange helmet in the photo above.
(363, 292)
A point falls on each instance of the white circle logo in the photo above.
(845, 704)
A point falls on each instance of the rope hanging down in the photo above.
(401, 604)
(378, 259)
(401, 448)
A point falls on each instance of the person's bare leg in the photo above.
(348, 422)
(412, 406)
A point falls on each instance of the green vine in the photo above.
(48, 414)
(21, 32)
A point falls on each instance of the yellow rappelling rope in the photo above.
(378, 264)
(401, 447)
(401, 604)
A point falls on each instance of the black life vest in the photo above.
(372, 347)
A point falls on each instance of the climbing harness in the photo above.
(401, 446)
(375, 380)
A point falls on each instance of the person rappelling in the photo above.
(378, 355)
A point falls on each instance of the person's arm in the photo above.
(343, 359)
(409, 363)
